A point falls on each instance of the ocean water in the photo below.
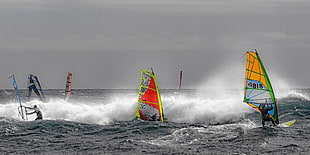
(101, 121)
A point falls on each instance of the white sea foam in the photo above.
(190, 135)
(202, 108)
(78, 111)
(217, 100)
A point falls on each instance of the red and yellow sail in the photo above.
(149, 105)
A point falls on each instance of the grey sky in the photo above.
(105, 43)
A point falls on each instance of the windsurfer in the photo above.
(153, 118)
(265, 116)
(32, 86)
(37, 111)
(150, 118)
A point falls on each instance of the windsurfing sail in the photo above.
(21, 110)
(257, 86)
(149, 105)
(68, 88)
(181, 76)
(34, 85)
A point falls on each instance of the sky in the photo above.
(105, 43)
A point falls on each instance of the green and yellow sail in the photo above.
(149, 105)
(257, 86)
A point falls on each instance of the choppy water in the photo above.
(199, 122)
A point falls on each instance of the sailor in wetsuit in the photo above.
(265, 115)
(37, 111)
(153, 118)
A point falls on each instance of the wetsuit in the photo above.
(38, 112)
(265, 114)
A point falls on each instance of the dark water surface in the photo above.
(199, 122)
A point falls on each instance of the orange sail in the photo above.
(68, 88)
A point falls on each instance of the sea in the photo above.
(199, 121)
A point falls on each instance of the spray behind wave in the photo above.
(207, 106)
(217, 100)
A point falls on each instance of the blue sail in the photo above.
(21, 109)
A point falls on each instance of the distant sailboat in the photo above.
(68, 88)
(149, 105)
(181, 77)
(257, 86)
(21, 109)
(34, 85)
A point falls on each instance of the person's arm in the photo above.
(28, 107)
(260, 107)
(30, 113)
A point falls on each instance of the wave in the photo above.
(293, 96)
(191, 106)
(103, 112)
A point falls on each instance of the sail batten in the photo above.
(257, 86)
(149, 105)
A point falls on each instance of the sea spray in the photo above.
(199, 107)
(108, 111)
(219, 99)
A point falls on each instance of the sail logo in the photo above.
(255, 85)
(142, 105)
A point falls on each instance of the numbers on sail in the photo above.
(255, 85)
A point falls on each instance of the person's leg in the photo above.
(37, 93)
(29, 92)
(263, 123)
(38, 118)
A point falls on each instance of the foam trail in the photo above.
(196, 135)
